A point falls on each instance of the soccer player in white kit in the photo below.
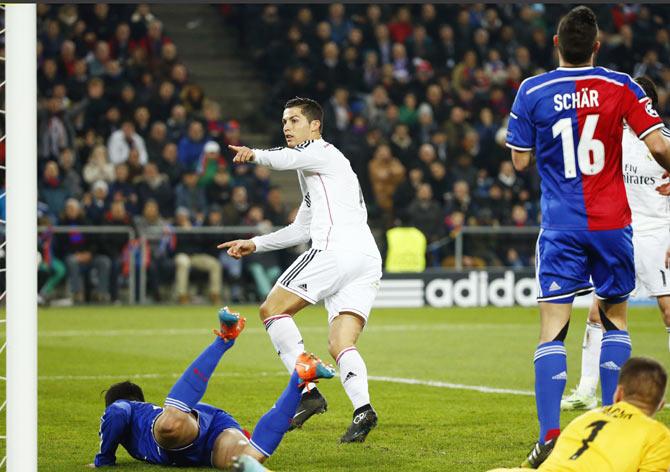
(342, 268)
(650, 207)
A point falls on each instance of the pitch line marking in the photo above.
(377, 378)
(309, 329)
(398, 380)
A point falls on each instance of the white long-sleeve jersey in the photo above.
(332, 213)
(642, 174)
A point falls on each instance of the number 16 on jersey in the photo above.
(590, 151)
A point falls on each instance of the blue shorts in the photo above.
(212, 422)
(566, 261)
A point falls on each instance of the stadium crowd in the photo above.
(126, 138)
(415, 96)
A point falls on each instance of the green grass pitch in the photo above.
(421, 427)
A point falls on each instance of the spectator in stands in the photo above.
(426, 156)
(115, 245)
(464, 170)
(460, 200)
(189, 253)
(264, 267)
(142, 120)
(337, 115)
(119, 44)
(52, 191)
(509, 180)
(192, 95)
(210, 161)
(232, 133)
(191, 196)
(169, 165)
(192, 146)
(98, 166)
(235, 210)
(122, 188)
(71, 177)
(56, 131)
(161, 106)
(406, 191)
(232, 267)
(261, 185)
(154, 186)
(213, 122)
(425, 214)
(439, 181)
(122, 141)
(275, 210)
(81, 255)
(401, 27)
(96, 203)
(98, 59)
(386, 173)
(219, 190)
(154, 40)
(156, 140)
(402, 144)
(161, 242)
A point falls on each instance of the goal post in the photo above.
(21, 227)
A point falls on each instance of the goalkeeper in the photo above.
(622, 437)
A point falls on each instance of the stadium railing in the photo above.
(137, 280)
(488, 231)
(86, 229)
(222, 230)
(142, 238)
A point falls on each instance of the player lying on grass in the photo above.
(188, 433)
(649, 205)
(622, 437)
(343, 267)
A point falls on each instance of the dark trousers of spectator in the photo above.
(114, 274)
(156, 270)
(98, 271)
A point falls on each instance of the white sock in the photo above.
(668, 330)
(593, 336)
(354, 376)
(286, 339)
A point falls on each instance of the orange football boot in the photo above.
(232, 324)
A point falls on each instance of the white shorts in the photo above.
(345, 281)
(651, 276)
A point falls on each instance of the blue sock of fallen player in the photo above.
(550, 378)
(273, 425)
(615, 351)
(192, 384)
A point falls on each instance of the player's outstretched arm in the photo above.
(294, 234)
(659, 147)
(112, 426)
(238, 248)
(282, 158)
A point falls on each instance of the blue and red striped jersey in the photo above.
(573, 118)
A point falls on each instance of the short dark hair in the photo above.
(644, 380)
(124, 391)
(577, 34)
(308, 107)
(649, 88)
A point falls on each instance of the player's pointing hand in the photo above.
(242, 154)
(238, 248)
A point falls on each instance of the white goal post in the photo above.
(21, 227)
